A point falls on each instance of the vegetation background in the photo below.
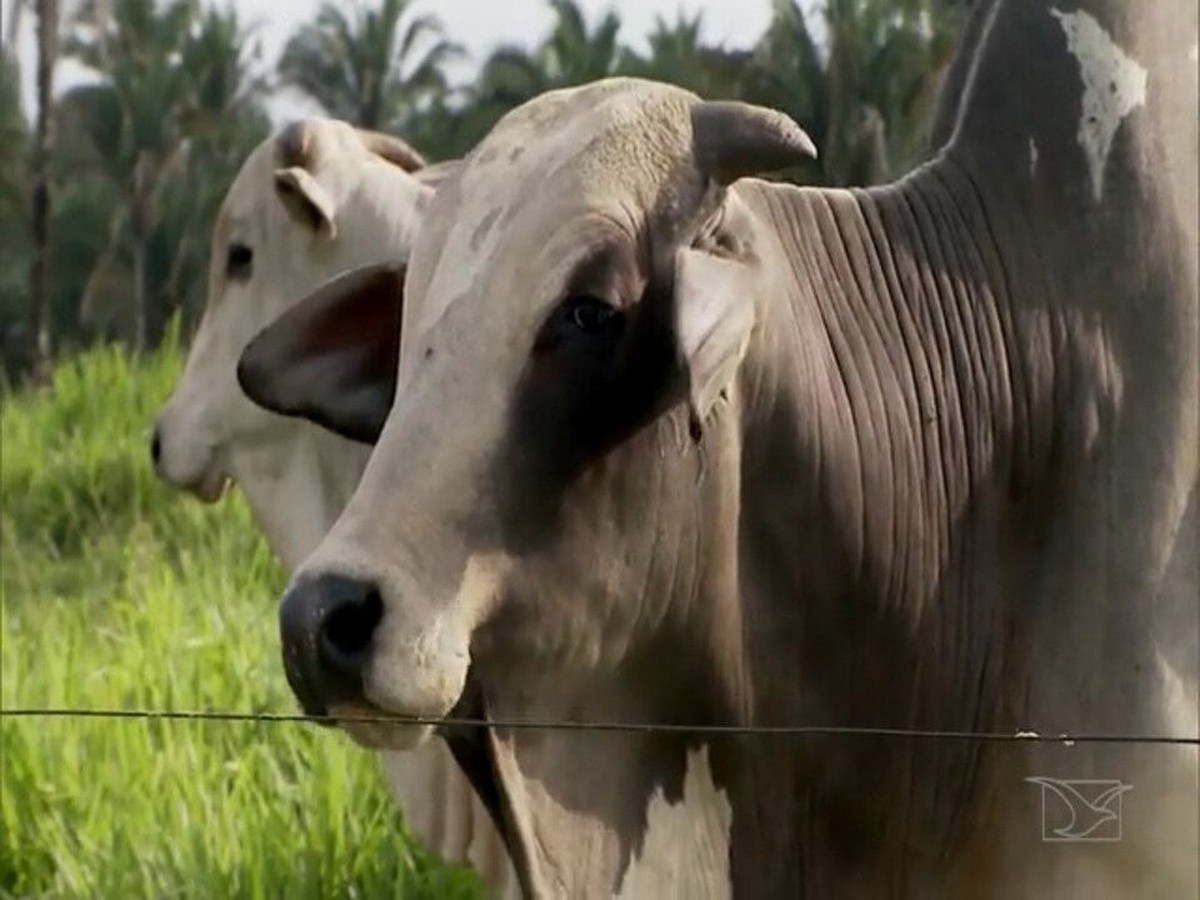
(118, 593)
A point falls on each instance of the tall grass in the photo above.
(117, 592)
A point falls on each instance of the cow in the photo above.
(319, 199)
(675, 444)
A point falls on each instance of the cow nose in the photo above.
(326, 626)
(156, 446)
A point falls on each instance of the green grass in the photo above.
(118, 592)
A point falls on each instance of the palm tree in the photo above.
(133, 117)
(868, 99)
(225, 121)
(886, 62)
(376, 69)
(173, 80)
(15, 9)
(677, 55)
(569, 54)
(15, 341)
(14, 136)
(786, 71)
(39, 271)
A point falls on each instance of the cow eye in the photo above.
(594, 317)
(239, 262)
(581, 321)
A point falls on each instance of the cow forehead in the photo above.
(534, 189)
(252, 189)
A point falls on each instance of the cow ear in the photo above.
(307, 201)
(332, 357)
(714, 315)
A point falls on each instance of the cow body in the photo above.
(318, 199)
(672, 445)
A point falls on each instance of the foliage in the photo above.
(867, 96)
(146, 152)
(367, 69)
(172, 116)
(118, 593)
(678, 55)
(15, 335)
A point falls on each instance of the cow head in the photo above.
(320, 198)
(577, 306)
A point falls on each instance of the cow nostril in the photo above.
(347, 632)
(155, 446)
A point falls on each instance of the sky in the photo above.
(477, 24)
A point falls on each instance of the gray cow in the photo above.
(674, 444)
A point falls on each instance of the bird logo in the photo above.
(1087, 809)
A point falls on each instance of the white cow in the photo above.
(320, 198)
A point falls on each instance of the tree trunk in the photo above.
(14, 23)
(39, 270)
(139, 232)
(141, 306)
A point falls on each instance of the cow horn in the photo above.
(294, 145)
(732, 140)
(392, 149)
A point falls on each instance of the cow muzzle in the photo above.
(343, 661)
(192, 469)
(327, 626)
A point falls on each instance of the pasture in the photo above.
(118, 592)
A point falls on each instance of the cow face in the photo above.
(320, 198)
(578, 301)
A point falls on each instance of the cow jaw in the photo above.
(377, 734)
(210, 487)
(184, 458)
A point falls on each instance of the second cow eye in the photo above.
(595, 317)
(585, 322)
(239, 262)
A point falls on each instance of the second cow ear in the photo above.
(306, 200)
(332, 357)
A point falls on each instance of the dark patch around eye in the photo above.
(239, 262)
(591, 318)
(572, 406)
(583, 322)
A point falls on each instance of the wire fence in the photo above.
(1065, 738)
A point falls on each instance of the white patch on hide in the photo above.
(1194, 53)
(1113, 85)
(1033, 157)
(686, 848)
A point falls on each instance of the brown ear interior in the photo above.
(305, 200)
(331, 358)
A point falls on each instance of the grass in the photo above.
(117, 592)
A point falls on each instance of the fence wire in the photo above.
(1067, 739)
